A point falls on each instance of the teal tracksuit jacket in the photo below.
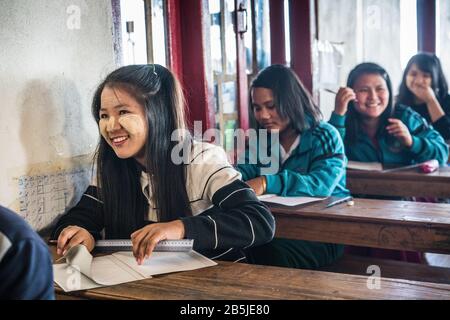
(316, 168)
(428, 144)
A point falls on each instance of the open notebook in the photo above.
(425, 167)
(288, 201)
(82, 271)
(368, 166)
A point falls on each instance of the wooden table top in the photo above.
(403, 183)
(242, 281)
(402, 225)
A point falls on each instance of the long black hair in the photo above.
(353, 121)
(125, 208)
(292, 100)
(428, 63)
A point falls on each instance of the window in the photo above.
(134, 42)
(143, 31)
(157, 33)
(408, 23)
(224, 65)
(443, 35)
(378, 31)
(261, 33)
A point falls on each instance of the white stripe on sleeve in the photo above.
(220, 203)
(253, 232)
(215, 232)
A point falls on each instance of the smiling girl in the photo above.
(374, 131)
(143, 191)
(425, 89)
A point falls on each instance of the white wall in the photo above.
(444, 37)
(53, 53)
(369, 31)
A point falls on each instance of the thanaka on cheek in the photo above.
(103, 125)
(133, 124)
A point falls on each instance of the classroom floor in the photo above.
(438, 260)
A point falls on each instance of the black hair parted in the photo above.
(353, 120)
(292, 99)
(158, 91)
(429, 63)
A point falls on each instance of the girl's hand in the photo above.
(72, 236)
(423, 93)
(257, 184)
(343, 97)
(398, 129)
(144, 240)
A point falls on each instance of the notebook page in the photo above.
(368, 166)
(165, 262)
(288, 201)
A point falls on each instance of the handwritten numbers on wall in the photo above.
(44, 197)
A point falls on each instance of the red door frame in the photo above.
(301, 31)
(187, 59)
(301, 35)
(277, 32)
(426, 25)
(175, 60)
(186, 53)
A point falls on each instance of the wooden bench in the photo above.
(400, 225)
(358, 265)
(404, 183)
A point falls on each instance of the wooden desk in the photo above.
(407, 183)
(243, 281)
(401, 225)
(358, 265)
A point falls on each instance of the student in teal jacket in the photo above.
(300, 156)
(374, 131)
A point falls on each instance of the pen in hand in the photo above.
(330, 91)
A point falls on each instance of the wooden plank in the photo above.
(243, 281)
(371, 210)
(401, 225)
(408, 183)
(353, 264)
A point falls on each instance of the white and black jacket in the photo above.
(227, 217)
